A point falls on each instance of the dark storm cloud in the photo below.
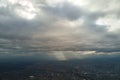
(64, 10)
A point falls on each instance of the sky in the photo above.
(84, 26)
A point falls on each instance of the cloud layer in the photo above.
(29, 26)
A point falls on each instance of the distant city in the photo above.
(87, 69)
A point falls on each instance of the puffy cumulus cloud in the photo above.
(32, 26)
(22, 8)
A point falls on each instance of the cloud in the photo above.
(67, 25)
(64, 10)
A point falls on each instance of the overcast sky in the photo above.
(28, 26)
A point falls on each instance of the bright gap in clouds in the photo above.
(66, 55)
(25, 14)
(59, 55)
(111, 22)
(24, 8)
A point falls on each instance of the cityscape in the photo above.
(88, 69)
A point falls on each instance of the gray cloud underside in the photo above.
(60, 26)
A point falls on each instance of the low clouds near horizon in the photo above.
(28, 26)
